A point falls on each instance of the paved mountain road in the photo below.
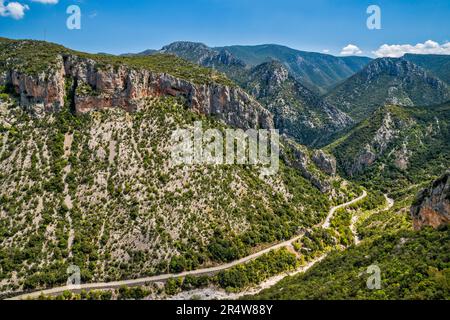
(326, 224)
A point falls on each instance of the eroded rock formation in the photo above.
(432, 206)
(95, 88)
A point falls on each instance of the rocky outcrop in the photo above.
(432, 206)
(297, 157)
(127, 88)
(40, 93)
(325, 162)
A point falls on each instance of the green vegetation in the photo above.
(317, 71)
(387, 222)
(97, 191)
(162, 63)
(29, 56)
(414, 265)
(416, 151)
(255, 272)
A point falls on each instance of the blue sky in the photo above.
(317, 25)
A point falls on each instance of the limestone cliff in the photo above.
(96, 87)
(432, 206)
(325, 162)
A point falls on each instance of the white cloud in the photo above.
(46, 1)
(351, 50)
(14, 10)
(325, 51)
(398, 50)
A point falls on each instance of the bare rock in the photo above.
(325, 162)
(297, 157)
(127, 88)
(432, 206)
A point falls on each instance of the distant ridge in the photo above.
(322, 71)
(317, 71)
(388, 81)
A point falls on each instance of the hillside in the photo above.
(388, 81)
(297, 111)
(432, 205)
(34, 57)
(86, 176)
(396, 146)
(413, 265)
(438, 65)
(201, 54)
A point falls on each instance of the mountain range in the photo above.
(322, 94)
(388, 81)
(298, 110)
(315, 70)
(319, 72)
(86, 175)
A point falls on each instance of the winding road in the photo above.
(326, 224)
(389, 204)
(165, 277)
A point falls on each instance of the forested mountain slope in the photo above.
(388, 81)
(396, 146)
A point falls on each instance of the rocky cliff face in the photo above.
(44, 92)
(325, 162)
(432, 206)
(94, 88)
